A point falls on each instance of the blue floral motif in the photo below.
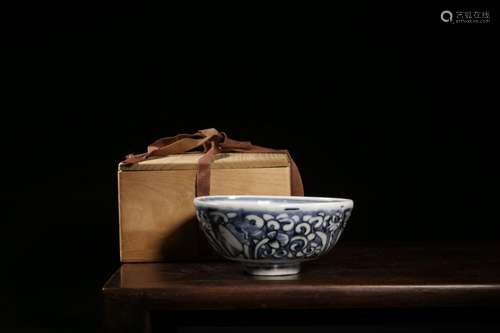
(265, 236)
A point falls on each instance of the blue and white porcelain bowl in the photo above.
(272, 235)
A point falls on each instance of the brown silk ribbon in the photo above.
(212, 142)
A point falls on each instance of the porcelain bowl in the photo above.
(272, 235)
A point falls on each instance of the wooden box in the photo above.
(157, 216)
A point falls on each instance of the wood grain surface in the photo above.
(157, 215)
(222, 161)
(351, 276)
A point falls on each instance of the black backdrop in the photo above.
(386, 105)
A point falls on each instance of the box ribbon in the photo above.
(212, 142)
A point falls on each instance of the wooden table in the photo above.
(402, 278)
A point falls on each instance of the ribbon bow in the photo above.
(212, 143)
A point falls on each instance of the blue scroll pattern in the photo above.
(265, 236)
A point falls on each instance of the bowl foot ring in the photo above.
(272, 269)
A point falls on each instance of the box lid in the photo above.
(222, 161)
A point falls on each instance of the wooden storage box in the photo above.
(157, 216)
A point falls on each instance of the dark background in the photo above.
(386, 105)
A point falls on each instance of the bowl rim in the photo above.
(266, 202)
